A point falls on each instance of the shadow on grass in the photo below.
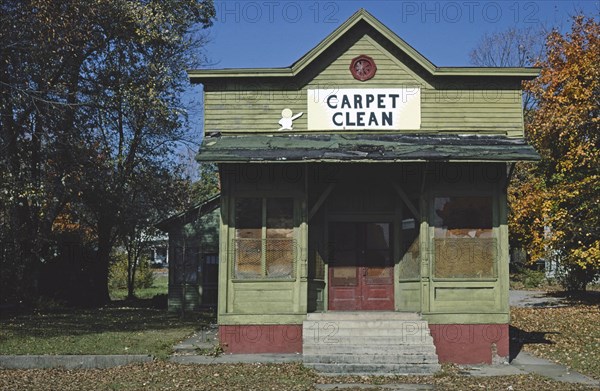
(577, 297)
(158, 302)
(519, 338)
(118, 316)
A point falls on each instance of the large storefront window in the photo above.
(464, 242)
(264, 242)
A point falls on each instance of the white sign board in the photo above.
(364, 108)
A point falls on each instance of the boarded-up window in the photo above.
(248, 238)
(264, 243)
(464, 242)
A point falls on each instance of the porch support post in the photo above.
(424, 177)
(407, 201)
(320, 201)
(424, 243)
(510, 172)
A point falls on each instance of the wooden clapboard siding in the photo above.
(199, 235)
(455, 105)
(390, 72)
(177, 301)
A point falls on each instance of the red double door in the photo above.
(361, 271)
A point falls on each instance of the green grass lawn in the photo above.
(123, 327)
(159, 286)
(109, 330)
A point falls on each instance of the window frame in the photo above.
(495, 232)
(263, 268)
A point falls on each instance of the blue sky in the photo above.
(275, 33)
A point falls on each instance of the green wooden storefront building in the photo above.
(364, 183)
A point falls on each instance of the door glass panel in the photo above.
(343, 236)
(378, 236)
(344, 268)
(343, 254)
(378, 254)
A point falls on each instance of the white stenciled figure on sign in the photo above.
(287, 119)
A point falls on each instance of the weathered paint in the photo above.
(249, 107)
(471, 343)
(478, 100)
(366, 148)
(440, 300)
(471, 125)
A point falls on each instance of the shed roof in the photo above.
(364, 148)
(192, 214)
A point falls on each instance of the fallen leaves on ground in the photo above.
(567, 335)
(161, 375)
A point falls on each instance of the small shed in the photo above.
(193, 256)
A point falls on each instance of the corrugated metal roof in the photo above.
(364, 148)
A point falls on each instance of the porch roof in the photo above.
(364, 148)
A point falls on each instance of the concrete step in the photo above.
(371, 358)
(364, 340)
(314, 349)
(376, 369)
(368, 343)
(408, 325)
(364, 315)
(202, 340)
(357, 331)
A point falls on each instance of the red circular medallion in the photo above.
(363, 67)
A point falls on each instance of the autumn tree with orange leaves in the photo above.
(555, 204)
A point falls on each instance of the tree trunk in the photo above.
(99, 294)
(131, 269)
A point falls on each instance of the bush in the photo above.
(533, 278)
(574, 278)
(528, 277)
(118, 273)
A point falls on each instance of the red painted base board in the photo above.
(470, 343)
(455, 343)
(261, 338)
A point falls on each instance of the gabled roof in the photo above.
(359, 18)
